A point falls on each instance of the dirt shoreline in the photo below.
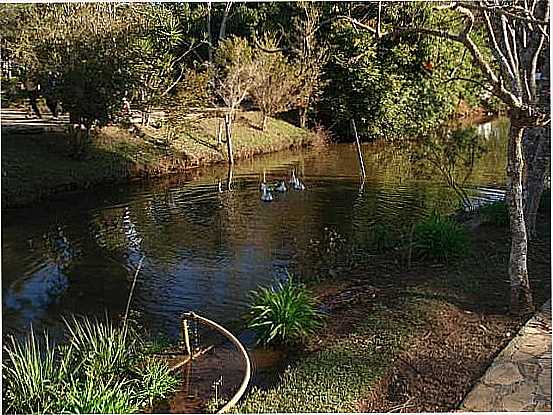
(450, 323)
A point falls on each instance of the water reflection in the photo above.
(208, 240)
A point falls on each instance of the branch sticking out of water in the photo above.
(131, 293)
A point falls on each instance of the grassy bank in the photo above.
(408, 338)
(37, 166)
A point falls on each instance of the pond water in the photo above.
(206, 247)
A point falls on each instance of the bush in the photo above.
(284, 314)
(326, 256)
(440, 238)
(495, 213)
(381, 238)
(101, 369)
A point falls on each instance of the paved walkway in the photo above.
(519, 379)
(15, 120)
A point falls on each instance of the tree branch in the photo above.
(481, 7)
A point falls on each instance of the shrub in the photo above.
(495, 213)
(381, 238)
(283, 314)
(101, 369)
(440, 238)
(326, 256)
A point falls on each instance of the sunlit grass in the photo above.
(335, 378)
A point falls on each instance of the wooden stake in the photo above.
(359, 154)
(229, 139)
(410, 252)
(186, 337)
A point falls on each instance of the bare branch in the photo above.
(474, 81)
(481, 7)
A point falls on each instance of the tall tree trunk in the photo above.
(222, 30)
(521, 296)
(228, 131)
(303, 117)
(537, 159)
(209, 37)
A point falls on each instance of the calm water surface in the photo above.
(205, 246)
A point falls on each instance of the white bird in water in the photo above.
(281, 187)
(299, 185)
(296, 183)
(266, 195)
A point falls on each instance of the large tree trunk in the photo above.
(537, 159)
(521, 296)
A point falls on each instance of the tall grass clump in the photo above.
(101, 368)
(283, 314)
(440, 238)
(495, 213)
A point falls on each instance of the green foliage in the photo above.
(31, 377)
(396, 86)
(234, 60)
(275, 83)
(495, 213)
(101, 369)
(154, 56)
(94, 396)
(440, 238)
(381, 238)
(283, 314)
(155, 381)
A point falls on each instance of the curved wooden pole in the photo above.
(241, 349)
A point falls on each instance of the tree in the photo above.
(311, 56)
(154, 58)
(396, 86)
(233, 80)
(275, 81)
(87, 46)
(517, 33)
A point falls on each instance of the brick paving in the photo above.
(519, 379)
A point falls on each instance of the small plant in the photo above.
(283, 314)
(495, 213)
(155, 381)
(326, 256)
(440, 238)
